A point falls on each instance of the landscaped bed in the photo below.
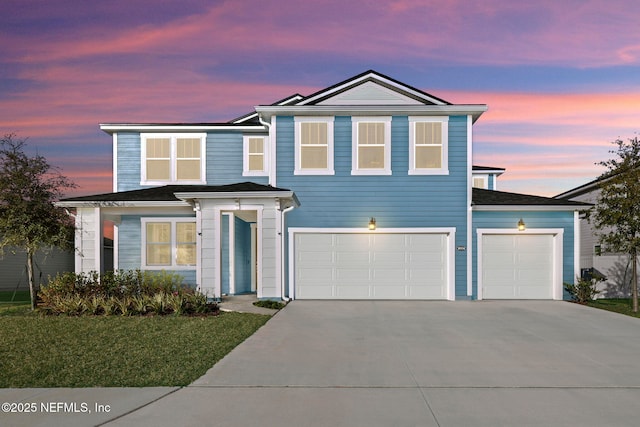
(619, 305)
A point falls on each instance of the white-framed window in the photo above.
(256, 155)
(428, 145)
(371, 145)
(167, 158)
(480, 181)
(314, 146)
(169, 243)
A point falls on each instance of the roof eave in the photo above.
(531, 207)
(121, 204)
(111, 128)
(475, 110)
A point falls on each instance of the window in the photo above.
(255, 156)
(169, 243)
(173, 158)
(480, 182)
(314, 146)
(371, 146)
(428, 139)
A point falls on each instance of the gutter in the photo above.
(272, 157)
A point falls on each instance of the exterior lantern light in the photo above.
(521, 225)
(372, 223)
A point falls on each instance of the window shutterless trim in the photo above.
(173, 243)
(246, 155)
(355, 122)
(444, 169)
(173, 158)
(329, 170)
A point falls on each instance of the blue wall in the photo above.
(399, 200)
(533, 219)
(130, 247)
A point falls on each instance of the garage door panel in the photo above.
(517, 266)
(372, 266)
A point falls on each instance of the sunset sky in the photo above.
(561, 78)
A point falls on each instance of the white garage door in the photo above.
(517, 266)
(370, 266)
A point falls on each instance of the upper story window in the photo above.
(255, 155)
(428, 145)
(169, 243)
(170, 158)
(314, 146)
(371, 146)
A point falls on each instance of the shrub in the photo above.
(126, 293)
(275, 305)
(584, 290)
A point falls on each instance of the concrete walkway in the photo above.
(393, 363)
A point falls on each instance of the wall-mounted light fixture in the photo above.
(372, 223)
(521, 225)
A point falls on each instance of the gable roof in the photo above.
(171, 193)
(501, 200)
(393, 85)
(488, 169)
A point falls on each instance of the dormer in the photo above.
(486, 177)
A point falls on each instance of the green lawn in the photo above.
(114, 351)
(621, 305)
(11, 296)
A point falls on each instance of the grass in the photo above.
(114, 351)
(618, 305)
(14, 297)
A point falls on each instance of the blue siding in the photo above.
(224, 160)
(533, 219)
(128, 166)
(224, 153)
(130, 248)
(399, 200)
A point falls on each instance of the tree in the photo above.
(29, 220)
(616, 215)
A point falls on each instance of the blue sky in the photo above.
(561, 79)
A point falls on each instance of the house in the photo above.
(595, 260)
(362, 190)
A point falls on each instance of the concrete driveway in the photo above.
(388, 363)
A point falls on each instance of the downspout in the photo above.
(283, 254)
(272, 157)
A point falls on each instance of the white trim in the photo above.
(149, 127)
(378, 79)
(371, 110)
(143, 243)
(198, 212)
(231, 251)
(116, 244)
(556, 233)
(469, 207)
(512, 208)
(218, 212)
(246, 155)
(576, 246)
(273, 157)
(444, 145)
(449, 231)
(115, 161)
(386, 169)
(254, 258)
(173, 147)
(99, 241)
(329, 170)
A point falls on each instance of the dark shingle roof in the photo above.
(166, 193)
(486, 168)
(483, 197)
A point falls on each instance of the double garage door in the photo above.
(371, 265)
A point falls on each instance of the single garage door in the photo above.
(517, 266)
(370, 265)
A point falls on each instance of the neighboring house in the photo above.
(363, 190)
(595, 260)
